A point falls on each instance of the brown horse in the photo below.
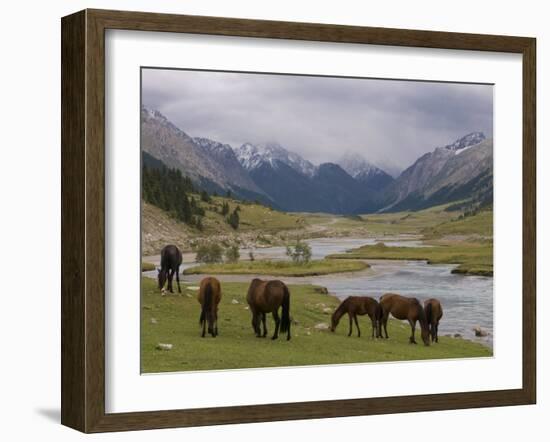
(210, 294)
(266, 297)
(405, 308)
(170, 261)
(358, 305)
(434, 313)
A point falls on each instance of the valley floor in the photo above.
(174, 319)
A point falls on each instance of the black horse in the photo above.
(170, 261)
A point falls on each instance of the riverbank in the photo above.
(173, 319)
(279, 268)
(473, 258)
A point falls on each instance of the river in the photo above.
(467, 300)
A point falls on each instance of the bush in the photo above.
(233, 219)
(232, 253)
(205, 197)
(209, 253)
(300, 253)
(225, 208)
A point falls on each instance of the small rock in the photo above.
(479, 332)
(193, 287)
(246, 307)
(234, 301)
(189, 295)
(161, 346)
(327, 310)
(321, 290)
(457, 335)
(308, 333)
(321, 326)
(154, 321)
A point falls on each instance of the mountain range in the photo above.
(283, 179)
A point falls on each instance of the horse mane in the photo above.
(343, 305)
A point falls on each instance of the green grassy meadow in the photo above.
(174, 319)
(279, 268)
(465, 241)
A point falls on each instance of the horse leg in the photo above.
(373, 324)
(436, 327)
(357, 325)
(203, 320)
(263, 323)
(215, 321)
(350, 324)
(413, 326)
(170, 277)
(256, 323)
(178, 278)
(277, 323)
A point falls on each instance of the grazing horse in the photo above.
(266, 297)
(434, 313)
(170, 261)
(405, 308)
(358, 305)
(210, 294)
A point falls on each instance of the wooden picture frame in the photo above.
(83, 219)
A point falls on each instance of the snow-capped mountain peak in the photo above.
(213, 146)
(252, 156)
(466, 141)
(356, 165)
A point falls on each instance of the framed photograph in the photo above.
(271, 220)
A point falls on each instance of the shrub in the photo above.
(225, 208)
(233, 219)
(300, 253)
(232, 253)
(209, 253)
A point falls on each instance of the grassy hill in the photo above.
(256, 221)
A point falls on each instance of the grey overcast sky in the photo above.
(390, 122)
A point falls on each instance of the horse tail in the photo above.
(206, 302)
(285, 318)
(422, 316)
(379, 312)
(429, 312)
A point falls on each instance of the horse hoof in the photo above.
(274, 337)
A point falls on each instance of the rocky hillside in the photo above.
(461, 170)
(282, 179)
(210, 164)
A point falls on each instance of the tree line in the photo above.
(169, 190)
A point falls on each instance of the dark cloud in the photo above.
(390, 122)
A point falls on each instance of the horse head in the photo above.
(161, 276)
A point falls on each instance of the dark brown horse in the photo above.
(403, 308)
(266, 297)
(170, 261)
(358, 305)
(210, 294)
(434, 313)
